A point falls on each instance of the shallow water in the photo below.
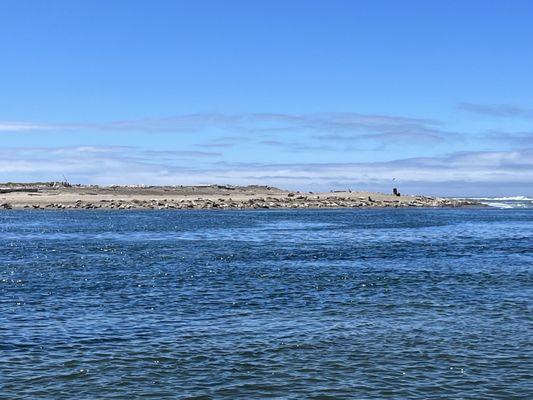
(399, 303)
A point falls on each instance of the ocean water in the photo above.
(507, 202)
(305, 304)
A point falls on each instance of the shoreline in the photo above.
(45, 196)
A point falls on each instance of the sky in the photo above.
(434, 97)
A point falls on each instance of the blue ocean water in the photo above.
(305, 304)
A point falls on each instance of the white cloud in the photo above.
(324, 126)
(470, 173)
(497, 110)
(23, 127)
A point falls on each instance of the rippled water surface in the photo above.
(333, 304)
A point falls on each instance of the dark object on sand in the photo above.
(395, 192)
(2, 190)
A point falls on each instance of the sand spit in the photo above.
(63, 196)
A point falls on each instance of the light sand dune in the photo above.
(214, 196)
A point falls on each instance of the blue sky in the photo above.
(298, 94)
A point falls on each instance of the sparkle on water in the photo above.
(424, 303)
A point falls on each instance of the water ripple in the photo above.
(406, 304)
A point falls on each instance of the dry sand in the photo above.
(46, 196)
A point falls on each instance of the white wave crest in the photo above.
(499, 205)
(510, 198)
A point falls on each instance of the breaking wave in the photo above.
(507, 202)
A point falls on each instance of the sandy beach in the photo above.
(60, 196)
